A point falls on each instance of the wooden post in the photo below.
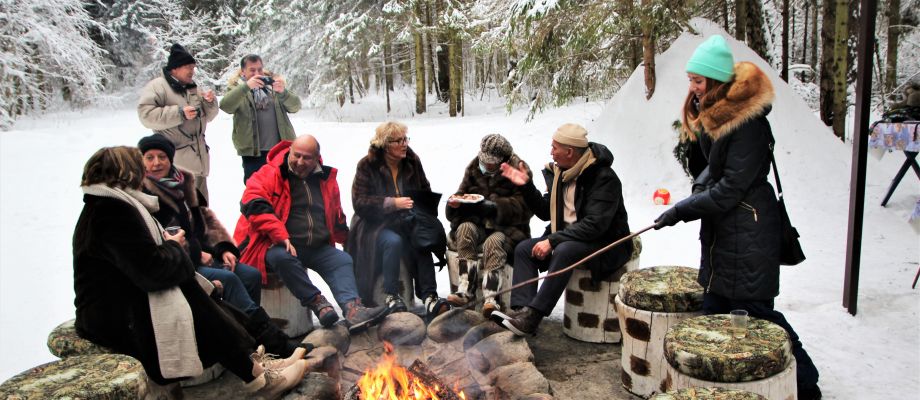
(860, 145)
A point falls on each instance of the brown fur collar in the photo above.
(748, 95)
(236, 77)
(188, 189)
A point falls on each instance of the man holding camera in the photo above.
(260, 108)
(173, 106)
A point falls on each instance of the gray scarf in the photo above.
(173, 326)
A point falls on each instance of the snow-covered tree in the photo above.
(46, 55)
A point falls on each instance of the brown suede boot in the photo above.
(270, 384)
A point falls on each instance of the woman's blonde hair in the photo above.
(387, 130)
(121, 167)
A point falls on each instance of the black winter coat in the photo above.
(737, 206)
(601, 215)
(115, 263)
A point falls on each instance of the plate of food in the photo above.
(468, 198)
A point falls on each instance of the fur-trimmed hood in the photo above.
(749, 95)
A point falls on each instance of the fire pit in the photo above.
(389, 380)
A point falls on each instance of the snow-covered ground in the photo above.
(874, 355)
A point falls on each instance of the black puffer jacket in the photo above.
(601, 215)
(740, 227)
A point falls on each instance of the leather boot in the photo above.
(323, 311)
(265, 332)
(525, 323)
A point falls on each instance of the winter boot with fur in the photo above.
(491, 284)
(468, 271)
(271, 383)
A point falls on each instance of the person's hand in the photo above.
(189, 112)
(179, 237)
(541, 250)
(255, 82)
(229, 261)
(290, 247)
(278, 85)
(209, 96)
(453, 202)
(517, 176)
(667, 218)
(206, 259)
(403, 203)
(218, 288)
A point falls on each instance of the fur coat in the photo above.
(737, 206)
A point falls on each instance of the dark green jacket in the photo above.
(239, 102)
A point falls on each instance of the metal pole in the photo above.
(868, 9)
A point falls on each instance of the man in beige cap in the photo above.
(584, 205)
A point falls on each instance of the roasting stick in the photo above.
(561, 271)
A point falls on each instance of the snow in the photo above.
(875, 355)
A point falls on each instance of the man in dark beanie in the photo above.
(495, 224)
(173, 107)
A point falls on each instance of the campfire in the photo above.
(390, 381)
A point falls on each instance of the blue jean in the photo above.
(333, 265)
(806, 373)
(527, 267)
(390, 249)
(242, 288)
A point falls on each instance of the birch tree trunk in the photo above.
(452, 55)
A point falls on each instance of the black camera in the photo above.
(267, 80)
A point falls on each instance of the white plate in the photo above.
(477, 198)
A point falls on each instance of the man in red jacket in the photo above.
(292, 218)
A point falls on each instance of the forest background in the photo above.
(60, 54)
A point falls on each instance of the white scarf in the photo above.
(170, 314)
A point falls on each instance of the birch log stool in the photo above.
(95, 376)
(650, 301)
(708, 394)
(285, 309)
(406, 287)
(590, 313)
(453, 270)
(701, 352)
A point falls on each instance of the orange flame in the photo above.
(390, 381)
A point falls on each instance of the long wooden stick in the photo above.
(561, 271)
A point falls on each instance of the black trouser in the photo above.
(251, 164)
(806, 373)
(527, 267)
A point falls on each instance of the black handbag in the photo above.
(790, 249)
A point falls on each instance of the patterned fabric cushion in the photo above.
(703, 348)
(97, 376)
(708, 394)
(64, 342)
(662, 289)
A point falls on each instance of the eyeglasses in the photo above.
(400, 141)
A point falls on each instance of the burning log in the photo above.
(389, 380)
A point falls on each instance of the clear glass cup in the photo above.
(739, 320)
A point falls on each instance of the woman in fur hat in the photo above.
(137, 292)
(726, 110)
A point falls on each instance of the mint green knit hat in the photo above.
(712, 59)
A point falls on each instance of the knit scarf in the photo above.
(173, 326)
(557, 192)
(171, 184)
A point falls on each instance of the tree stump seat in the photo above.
(649, 302)
(94, 376)
(697, 393)
(453, 270)
(406, 287)
(701, 352)
(590, 313)
(64, 342)
(285, 309)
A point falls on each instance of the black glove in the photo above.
(487, 208)
(667, 218)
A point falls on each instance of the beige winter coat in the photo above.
(160, 109)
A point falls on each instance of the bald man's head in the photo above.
(304, 155)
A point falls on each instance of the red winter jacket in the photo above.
(266, 205)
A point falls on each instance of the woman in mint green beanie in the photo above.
(726, 114)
